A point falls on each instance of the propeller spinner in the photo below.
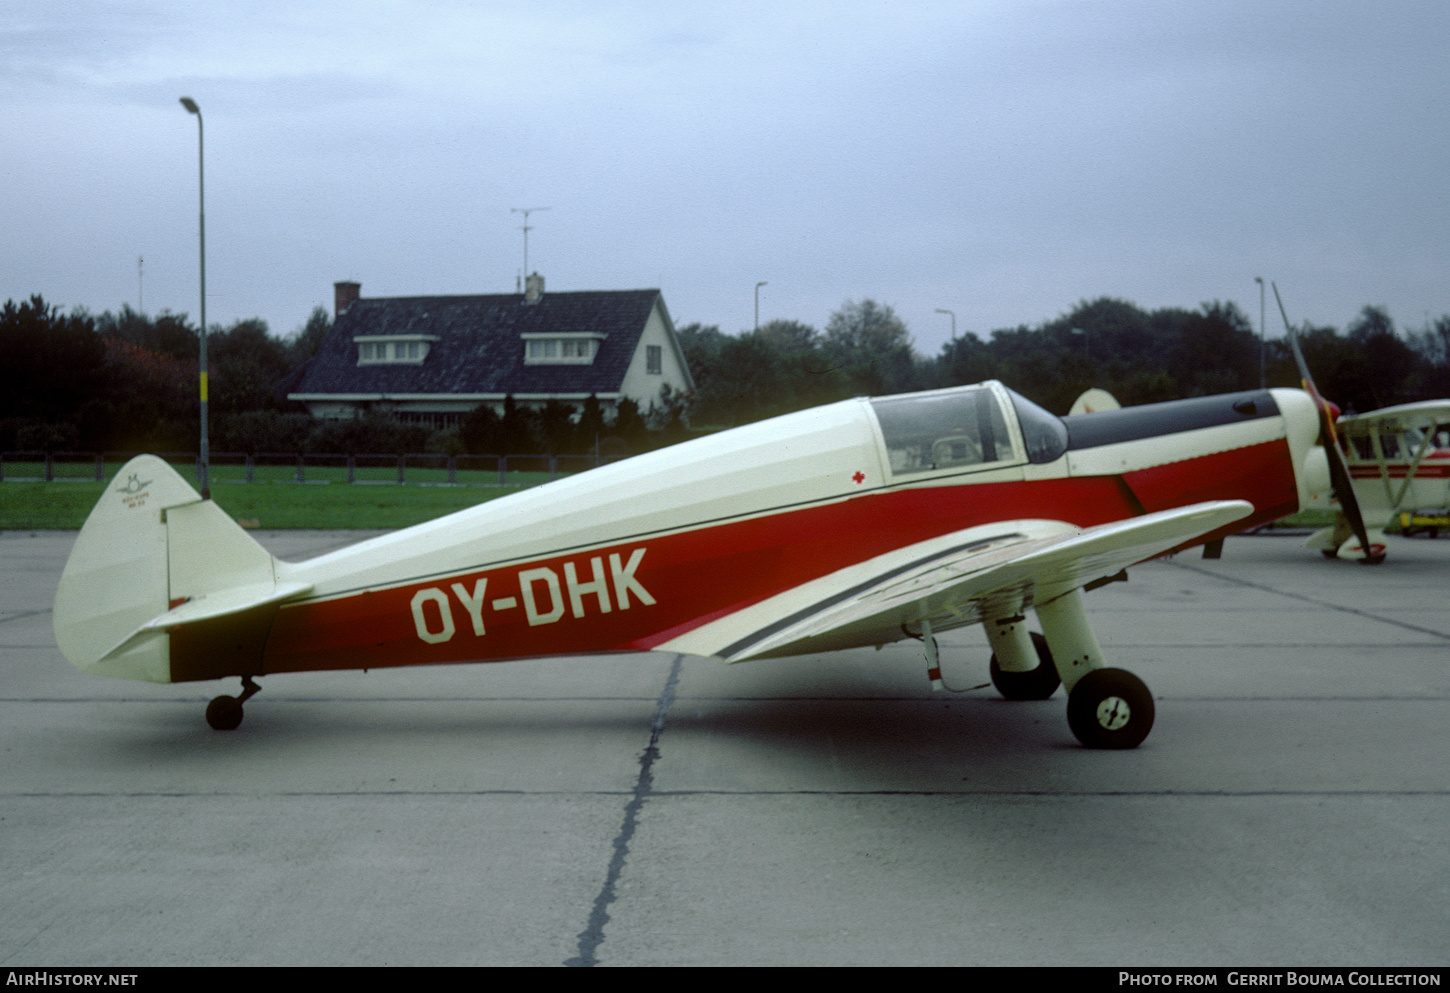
(1338, 471)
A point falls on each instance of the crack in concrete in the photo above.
(7, 616)
(593, 934)
(1318, 603)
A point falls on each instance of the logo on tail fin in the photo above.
(134, 484)
(134, 493)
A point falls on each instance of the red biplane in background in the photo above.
(858, 523)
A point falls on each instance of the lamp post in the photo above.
(1087, 348)
(1263, 378)
(757, 302)
(953, 316)
(203, 466)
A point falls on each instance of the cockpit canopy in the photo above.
(965, 428)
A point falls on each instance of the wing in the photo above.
(952, 580)
(1404, 443)
(1408, 414)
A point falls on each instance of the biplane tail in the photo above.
(153, 558)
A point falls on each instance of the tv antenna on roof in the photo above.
(526, 211)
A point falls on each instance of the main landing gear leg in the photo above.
(1106, 707)
(225, 712)
(1021, 664)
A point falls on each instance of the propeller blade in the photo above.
(1338, 472)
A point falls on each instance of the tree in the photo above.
(1216, 351)
(518, 434)
(246, 363)
(1433, 346)
(965, 360)
(591, 425)
(307, 339)
(556, 426)
(1387, 363)
(166, 333)
(667, 415)
(790, 337)
(150, 401)
(482, 431)
(629, 426)
(273, 431)
(52, 370)
(871, 345)
(699, 342)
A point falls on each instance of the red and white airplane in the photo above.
(858, 523)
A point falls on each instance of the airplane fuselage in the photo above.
(640, 554)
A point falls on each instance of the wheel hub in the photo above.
(1113, 713)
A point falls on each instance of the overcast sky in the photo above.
(1002, 160)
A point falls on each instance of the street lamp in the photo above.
(953, 315)
(203, 466)
(1263, 378)
(757, 302)
(1087, 349)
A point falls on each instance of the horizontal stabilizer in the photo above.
(209, 607)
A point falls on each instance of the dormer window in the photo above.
(393, 349)
(561, 349)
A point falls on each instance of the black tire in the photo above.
(1372, 560)
(1034, 684)
(224, 713)
(1110, 708)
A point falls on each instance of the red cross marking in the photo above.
(859, 477)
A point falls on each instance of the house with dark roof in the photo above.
(431, 360)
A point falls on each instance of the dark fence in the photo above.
(417, 468)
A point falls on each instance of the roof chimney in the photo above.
(344, 295)
(533, 288)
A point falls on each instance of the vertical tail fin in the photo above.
(150, 545)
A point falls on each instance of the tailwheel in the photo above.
(1110, 708)
(225, 712)
(1034, 684)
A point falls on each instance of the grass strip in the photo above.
(65, 505)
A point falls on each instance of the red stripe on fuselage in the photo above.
(700, 575)
(1260, 474)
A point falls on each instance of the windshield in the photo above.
(1043, 433)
